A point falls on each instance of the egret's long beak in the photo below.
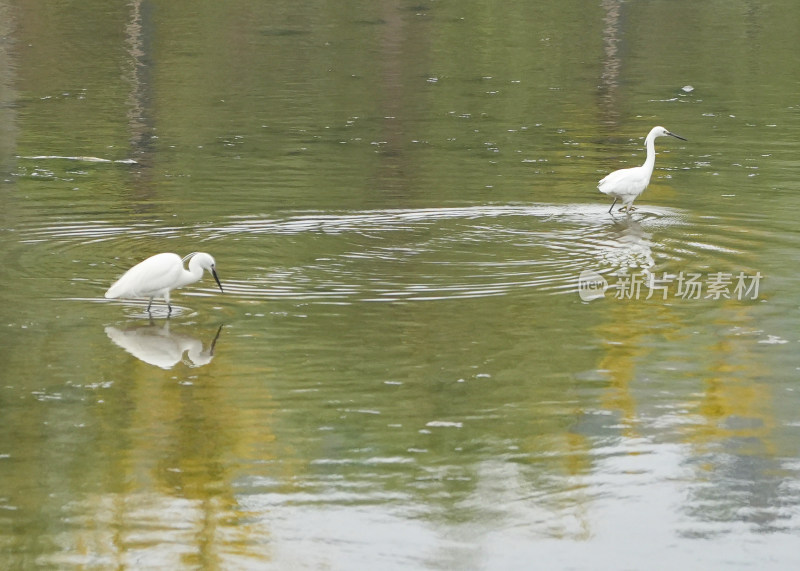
(216, 279)
(676, 136)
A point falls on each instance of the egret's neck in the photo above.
(194, 273)
(650, 161)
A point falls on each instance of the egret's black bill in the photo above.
(676, 136)
(216, 279)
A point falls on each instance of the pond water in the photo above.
(435, 349)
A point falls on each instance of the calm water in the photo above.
(405, 370)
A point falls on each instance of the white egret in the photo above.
(627, 184)
(157, 275)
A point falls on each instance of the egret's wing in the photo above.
(148, 278)
(624, 182)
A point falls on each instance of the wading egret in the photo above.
(627, 184)
(157, 275)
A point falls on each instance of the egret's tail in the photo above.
(113, 292)
(602, 184)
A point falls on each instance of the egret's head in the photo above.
(662, 132)
(206, 261)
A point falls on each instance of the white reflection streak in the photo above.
(153, 530)
(135, 74)
(611, 63)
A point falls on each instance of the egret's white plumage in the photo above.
(157, 275)
(627, 184)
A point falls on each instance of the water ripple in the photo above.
(423, 254)
(445, 253)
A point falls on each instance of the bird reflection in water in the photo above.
(629, 245)
(157, 345)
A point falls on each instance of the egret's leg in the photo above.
(149, 304)
(612, 205)
(169, 307)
